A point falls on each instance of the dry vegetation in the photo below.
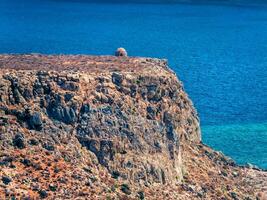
(84, 127)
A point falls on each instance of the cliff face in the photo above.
(96, 127)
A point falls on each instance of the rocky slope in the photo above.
(84, 127)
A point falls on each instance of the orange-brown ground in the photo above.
(85, 127)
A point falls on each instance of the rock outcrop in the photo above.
(106, 128)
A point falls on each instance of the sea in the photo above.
(218, 49)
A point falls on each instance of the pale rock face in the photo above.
(132, 122)
(101, 126)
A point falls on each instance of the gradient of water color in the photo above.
(218, 51)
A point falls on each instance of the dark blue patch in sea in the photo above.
(217, 49)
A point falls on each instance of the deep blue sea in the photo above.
(218, 50)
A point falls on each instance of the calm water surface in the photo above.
(218, 51)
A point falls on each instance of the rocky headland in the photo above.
(105, 127)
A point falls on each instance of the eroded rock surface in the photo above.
(101, 127)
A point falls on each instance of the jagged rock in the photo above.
(141, 195)
(27, 94)
(35, 121)
(43, 194)
(126, 119)
(52, 187)
(167, 118)
(68, 97)
(6, 180)
(85, 108)
(49, 147)
(126, 189)
(115, 174)
(171, 134)
(33, 141)
(151, 112)
(72, 86)
(19, 141)
(234, 196)
(117, 78)
(60, 113)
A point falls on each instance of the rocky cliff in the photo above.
(107, 128)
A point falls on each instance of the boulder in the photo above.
(19, 141)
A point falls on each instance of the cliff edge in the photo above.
(104, 127)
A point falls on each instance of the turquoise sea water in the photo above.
(218, 50)
(236, 140)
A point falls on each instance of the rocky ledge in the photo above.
(104, 127)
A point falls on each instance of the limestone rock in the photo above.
(84, 126)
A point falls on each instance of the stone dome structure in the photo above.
(121, 52)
